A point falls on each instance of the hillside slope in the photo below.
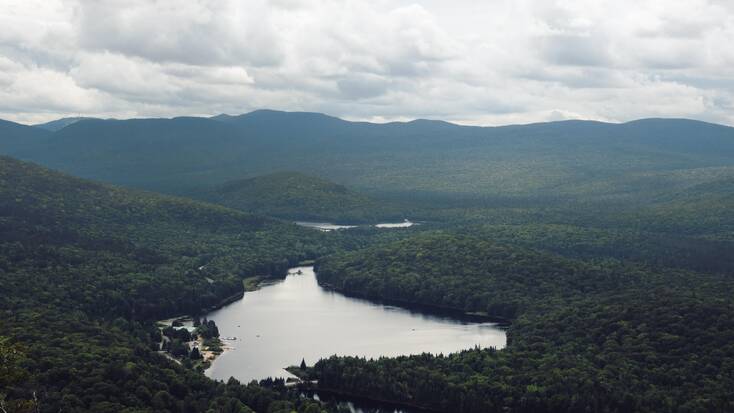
(587, 335)
(86, 269)
(293, 195)
(17, 139)
(467, 273)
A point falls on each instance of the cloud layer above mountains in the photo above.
(498, 62)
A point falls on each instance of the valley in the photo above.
(606, 250)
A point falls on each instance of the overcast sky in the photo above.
(467, 61)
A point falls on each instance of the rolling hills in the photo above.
(86, 269)
(153, 244)
(548, 160)
(296, 196)
(637, 175)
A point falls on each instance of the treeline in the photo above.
(587, 335)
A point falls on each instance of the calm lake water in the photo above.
(327, 226)
(324, 226)
(295, 319)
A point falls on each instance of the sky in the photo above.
(475, 62)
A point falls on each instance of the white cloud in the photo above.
(33, 89)
(209, 32)
(506, 61)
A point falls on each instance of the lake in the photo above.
(293, 319)
(327, 226)
(324, 226)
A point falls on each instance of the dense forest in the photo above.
(87, 268)
(293, 195)
(607, 249)
(586, 335)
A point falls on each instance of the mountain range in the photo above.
(549, 160)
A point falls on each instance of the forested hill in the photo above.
(570, 159)
(144, 153)
(293, 195)
(85, 268)
(587, 335)
(142, 255)
(16, 138)
(466, 273)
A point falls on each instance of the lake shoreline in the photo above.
(449, 312)
(249, 284)
(207, 355)
(299, 298)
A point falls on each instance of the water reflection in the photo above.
(295, 319)
(327, 226)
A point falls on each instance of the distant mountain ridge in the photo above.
(544, 160)
(15, 137)
(59, 124)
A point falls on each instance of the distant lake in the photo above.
(327, 226)
(324, 226)
(294, 319)
(404, 224)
